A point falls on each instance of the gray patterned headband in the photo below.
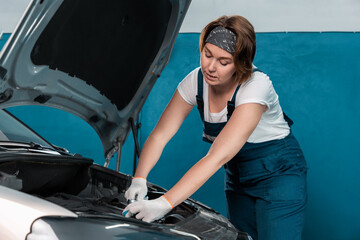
(223, 38)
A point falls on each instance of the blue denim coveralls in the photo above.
(265, 183)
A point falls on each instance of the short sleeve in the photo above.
(258, 89)
(188, 87)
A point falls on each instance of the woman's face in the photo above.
(217, 65)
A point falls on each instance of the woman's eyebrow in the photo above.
(225, 58)
(208, 50)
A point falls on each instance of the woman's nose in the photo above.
(212, 67)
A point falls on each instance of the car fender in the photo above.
(19, 210)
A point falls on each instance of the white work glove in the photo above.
(137, 189)
(149, 210)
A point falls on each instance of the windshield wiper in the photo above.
(30, 146)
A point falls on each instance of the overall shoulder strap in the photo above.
(231, 103)
(199, 96)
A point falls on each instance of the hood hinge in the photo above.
(117, 148)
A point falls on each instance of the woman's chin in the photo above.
(211, 82)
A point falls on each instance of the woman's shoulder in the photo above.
(191, 77)
(193, 73)
(188, 87)
(257, 89)
(258, 79)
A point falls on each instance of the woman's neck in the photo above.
(221, 90)
(220, 95)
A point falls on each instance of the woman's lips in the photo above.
(211, 77)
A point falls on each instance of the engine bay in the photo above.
(79, 185)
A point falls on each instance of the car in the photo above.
(71, 55)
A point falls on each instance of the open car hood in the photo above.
(95, 59)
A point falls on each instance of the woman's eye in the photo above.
(224, 63)
(207, 55)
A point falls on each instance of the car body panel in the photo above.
(105, 229)
(21, 209)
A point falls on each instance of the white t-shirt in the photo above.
(258, 89)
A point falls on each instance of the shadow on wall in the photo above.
(317, 77)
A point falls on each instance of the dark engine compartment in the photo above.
(77, 184)
(105, 192)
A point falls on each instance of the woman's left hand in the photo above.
(149, 210)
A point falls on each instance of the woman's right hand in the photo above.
(137, 189)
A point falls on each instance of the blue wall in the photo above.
(317, 76)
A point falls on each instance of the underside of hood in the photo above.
(95, 59)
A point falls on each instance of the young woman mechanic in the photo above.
(250, 136)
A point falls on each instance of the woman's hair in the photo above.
(245, 43)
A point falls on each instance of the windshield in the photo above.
(13, 130)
